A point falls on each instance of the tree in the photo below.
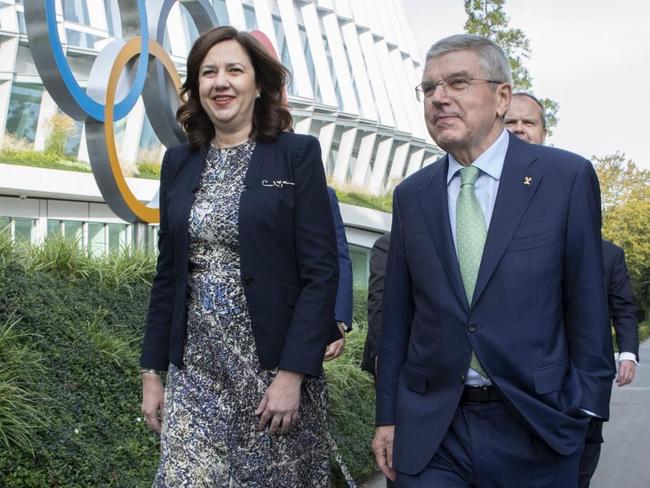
(625, 195)
(487, 18)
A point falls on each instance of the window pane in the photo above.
(283, 49)
(149, 150)
(53, 227)
(74, 231)
(116, 237)
(24, 106)
(221, 11)
(5, 225)
(76, 11)
(360, 257)
(249, 15)
(23, 229)
(96, 238)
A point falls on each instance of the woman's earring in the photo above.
(259, 95)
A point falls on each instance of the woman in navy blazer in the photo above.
(288, 272)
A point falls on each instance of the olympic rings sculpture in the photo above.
(124, 70)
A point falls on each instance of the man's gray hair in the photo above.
(493, 60)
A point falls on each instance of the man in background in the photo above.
(343, 309)
(378, 257)
(526, 119)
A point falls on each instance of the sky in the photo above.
(590, 56)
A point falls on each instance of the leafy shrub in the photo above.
(22, 409)
(60, 126)
(149, 170)
(362, 199)
(86, 328)
(352, 406)
(360, 305)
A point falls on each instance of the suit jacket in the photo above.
(378, 257)
(620, 299)
(289, 268)
(343, 311)
(538, 318)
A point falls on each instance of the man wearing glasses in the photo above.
(495, 347)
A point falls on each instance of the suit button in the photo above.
(462, 378)
(471, 327)
(249, 280)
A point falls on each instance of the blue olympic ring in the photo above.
(90, 106)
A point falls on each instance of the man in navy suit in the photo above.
(343, 311)
(495, 347)
(526, 119)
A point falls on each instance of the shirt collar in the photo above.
(490, 162)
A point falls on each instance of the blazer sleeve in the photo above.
(396, 321)
(316, 256)
(155, 347)
(621, 306)
(378, 257)
(584, 296)
(343, 311)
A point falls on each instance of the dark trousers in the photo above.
(591, 453)
(486, 447)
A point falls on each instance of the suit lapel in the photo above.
(517, 186)
(433, 197)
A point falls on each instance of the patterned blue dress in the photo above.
(209, 436)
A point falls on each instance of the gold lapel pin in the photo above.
(527, 180)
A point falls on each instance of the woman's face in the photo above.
(227, 87)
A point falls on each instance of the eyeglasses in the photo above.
(453, 87)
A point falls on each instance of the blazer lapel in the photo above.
(518, 185)
(433, 197)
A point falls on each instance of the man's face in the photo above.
(524, 119)
(468, 123)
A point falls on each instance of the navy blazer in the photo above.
(538, 318)
(288, 258)
(343, 311)
(620, 299)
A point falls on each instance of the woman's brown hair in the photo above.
(270, 114)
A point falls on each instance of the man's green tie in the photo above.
(470, 238)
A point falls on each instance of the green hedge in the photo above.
(85, 330)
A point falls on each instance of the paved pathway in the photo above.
(625, 458)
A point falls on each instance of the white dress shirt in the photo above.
(491, 165)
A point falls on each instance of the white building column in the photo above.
(236, 14)
(340, 62)
(325, 137)
(368, 108)
(5, 93)
(303, 126)
(378, 176)
(346, 147)
(301, 79)
(415, 161)
(176, 32)
(376, 80)
(362, 166)
(45, 114)
(397, 98)
(319, 55)
(265, 21)
(399, 161)
(131, 140)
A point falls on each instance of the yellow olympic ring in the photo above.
(130, 50)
